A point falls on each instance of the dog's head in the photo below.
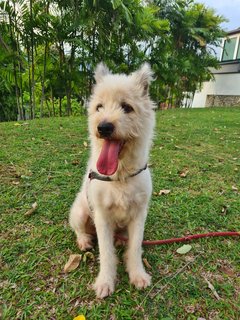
(120, 113)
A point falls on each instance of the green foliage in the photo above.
(186, 51)
(54, 46)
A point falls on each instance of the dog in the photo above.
(117, 186)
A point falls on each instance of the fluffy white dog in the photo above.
(117, 186)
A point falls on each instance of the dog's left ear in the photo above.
(100, 72)
(143, 77)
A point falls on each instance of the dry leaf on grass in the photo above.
(184, 249)
(211, 287)
(85, 144)
(147, 264)
(234, 188)
(88, 255)
(183, 173)
(163, 192)
(75, 162)
(73, 262)
(190, 309)
(33, 209)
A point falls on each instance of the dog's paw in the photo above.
(103, 288)
(84, 242)
(140, 280)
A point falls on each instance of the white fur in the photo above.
(124, 201)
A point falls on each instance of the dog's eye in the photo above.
(126, 107)
(99, 106)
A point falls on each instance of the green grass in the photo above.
(45, 160)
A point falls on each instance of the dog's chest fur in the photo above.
(118, 202)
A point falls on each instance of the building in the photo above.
(224, 89)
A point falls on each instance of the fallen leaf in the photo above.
(163, 192)
(88, 255)
(177, 147)
(85, 144)
(228, 271)
(224, 210)
(25, 177)
(73, 262)
(234, 188)
(147, 264)
(184, 249)
(30, 211)
(211, 287)
(16, 183)
(75, 162)
(190, 309)
(183, 173)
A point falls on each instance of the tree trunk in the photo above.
(44, 70)
(13, 41)
(60, 106)
(33, 66)
(30, 82)
(43, 80)
(52, 99)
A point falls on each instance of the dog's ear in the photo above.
(100, 72)
(143, 77)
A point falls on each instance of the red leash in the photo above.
(184, 239)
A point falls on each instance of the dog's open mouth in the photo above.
(107, 163)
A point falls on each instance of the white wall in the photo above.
(224, 84)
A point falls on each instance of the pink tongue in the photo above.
(107, 163)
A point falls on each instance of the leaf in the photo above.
(163, 192)
(116, 3)
(73, 262)
(211, 287)
(88, 255)
(30, 211)
(184, 249)
(75, 162)
(147, 264)
(183, 173)
(85, 144)
(234, 188)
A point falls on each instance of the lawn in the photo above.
(195, 155)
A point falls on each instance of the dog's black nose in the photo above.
(105, 129)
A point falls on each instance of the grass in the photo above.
(44, 161)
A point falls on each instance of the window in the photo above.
(228, 49)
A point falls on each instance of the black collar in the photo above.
(94, 175)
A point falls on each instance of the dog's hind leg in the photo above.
(79, 220)
(133, 256)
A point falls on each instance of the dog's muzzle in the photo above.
(105, 129)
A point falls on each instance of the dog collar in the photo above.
(94, 175)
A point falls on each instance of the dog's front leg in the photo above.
(135, 268)
(104, 284)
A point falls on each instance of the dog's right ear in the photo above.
(143, 77)
(100, 72)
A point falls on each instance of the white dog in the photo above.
(117, 186)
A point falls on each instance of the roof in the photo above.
(235, 31)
